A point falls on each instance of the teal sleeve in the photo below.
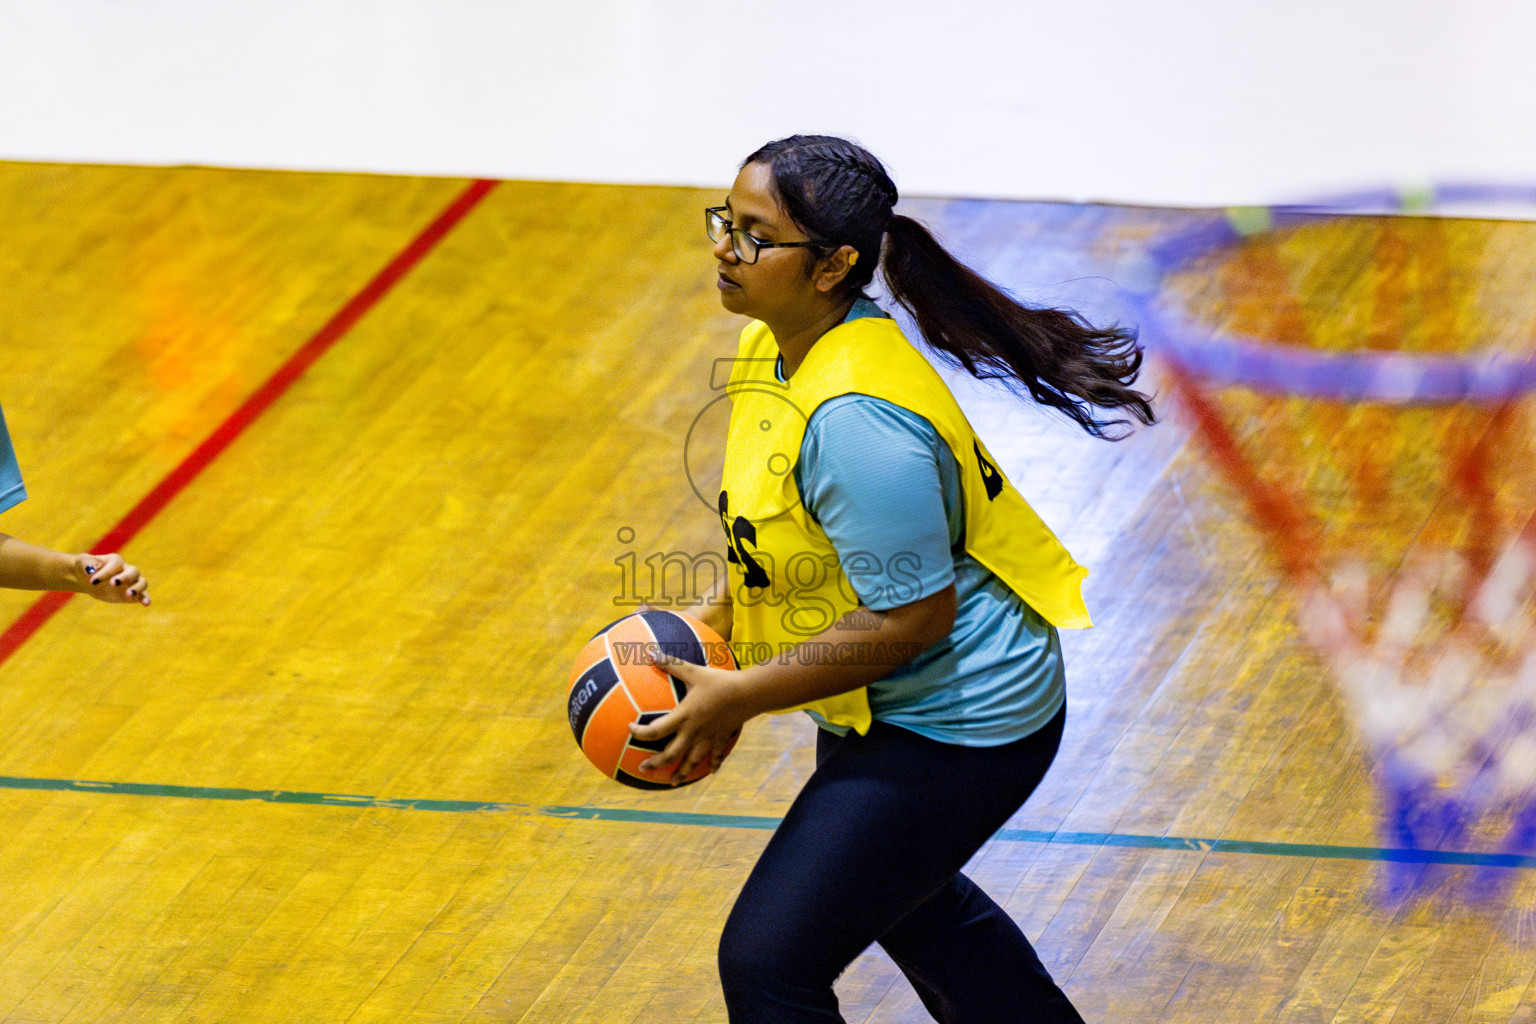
(870, 474)
(12, 490)
(886, 487)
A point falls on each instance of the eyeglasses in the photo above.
(745, 246)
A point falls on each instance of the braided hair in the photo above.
(836, 191)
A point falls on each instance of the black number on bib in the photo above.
(740, 532)
(989, 474)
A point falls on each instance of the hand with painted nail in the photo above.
(113, 580)
(25, 566)
(107, 578)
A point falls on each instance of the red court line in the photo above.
(225, 433)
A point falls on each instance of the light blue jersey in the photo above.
(12, 491)
(883, 484)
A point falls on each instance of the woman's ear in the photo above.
(834, 267)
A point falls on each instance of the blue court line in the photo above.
(270, 796)
(639, 816)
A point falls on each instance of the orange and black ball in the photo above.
(614, 684)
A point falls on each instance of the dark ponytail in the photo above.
(838, 192)
(1054, 354)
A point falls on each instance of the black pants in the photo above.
(871, 851)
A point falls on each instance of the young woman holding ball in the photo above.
(908, 596)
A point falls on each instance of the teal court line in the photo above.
(639, 816)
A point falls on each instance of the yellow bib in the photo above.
(787, 584)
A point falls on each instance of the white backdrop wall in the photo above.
(1158, 101)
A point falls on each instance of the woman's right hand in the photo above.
(703, 725)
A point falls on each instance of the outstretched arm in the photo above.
(107, 578)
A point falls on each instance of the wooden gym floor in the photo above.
(328, 778)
